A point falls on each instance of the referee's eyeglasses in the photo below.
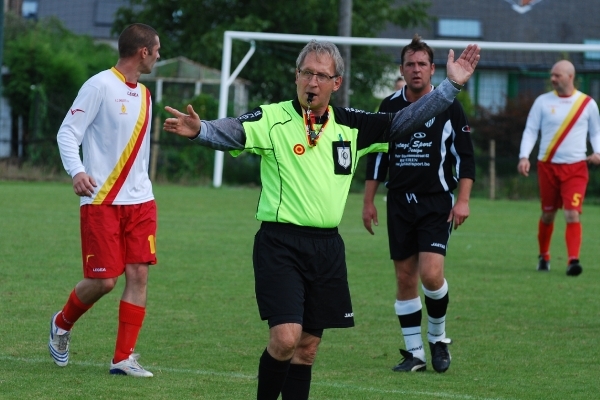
(307, 75)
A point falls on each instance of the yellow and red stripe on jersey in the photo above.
(116, 179)
(566, 126)
(118, 74)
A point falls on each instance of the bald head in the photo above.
(562, 77)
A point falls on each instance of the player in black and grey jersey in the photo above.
(424, 170)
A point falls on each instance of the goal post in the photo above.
(227, 77)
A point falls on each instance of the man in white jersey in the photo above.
(564, 117)
(110, 120)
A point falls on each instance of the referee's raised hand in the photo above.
(461, 70)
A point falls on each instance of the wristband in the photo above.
(195, 137)
(456, 84)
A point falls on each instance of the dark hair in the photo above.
(416, 45)
(134, 37)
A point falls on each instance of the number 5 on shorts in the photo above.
(576, 200)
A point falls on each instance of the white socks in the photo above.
(412, 334)
(436, 327)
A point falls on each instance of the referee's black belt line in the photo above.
(309, 231)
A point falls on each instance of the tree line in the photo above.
(47, 64)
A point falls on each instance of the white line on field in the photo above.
(156, 369)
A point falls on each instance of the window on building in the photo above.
(459, 28)
(29, 9)
(592, 55)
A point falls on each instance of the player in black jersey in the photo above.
(424, 170)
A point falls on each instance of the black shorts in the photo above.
(418, 223)
(300, 276)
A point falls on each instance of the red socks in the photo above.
(573, 238)
(130, 323)
(71, 312)
(544, 236)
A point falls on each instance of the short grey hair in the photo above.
(321, 48)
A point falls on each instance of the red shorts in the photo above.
(115, 235)
(562, 185)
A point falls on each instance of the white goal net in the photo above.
(491, 85)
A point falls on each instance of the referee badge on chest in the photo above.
(342, 157)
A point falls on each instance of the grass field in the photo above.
(518, 334)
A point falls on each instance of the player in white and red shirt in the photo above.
(565, 117)
(110, 120)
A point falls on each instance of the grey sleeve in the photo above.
(222, 134)
(409, 118)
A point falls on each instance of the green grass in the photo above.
(518, 334)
